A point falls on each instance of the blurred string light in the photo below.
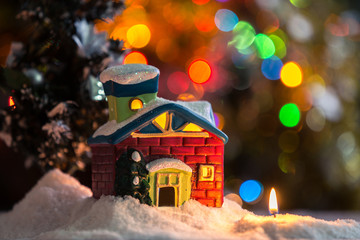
(251, 190)
(289, 141)
(300, 3)
(280, 47)
(264, 45)
(286, 163)
(289, 115)
(178, 82)
(291, 74)
(243, 36)
(225, 20)
(200, 2)
(300, 28)
(219, 120)
(315, 119)
(271, 68)
(138, 36)
(346, 143)
(11, 102)
(135, 57)
(199, 71)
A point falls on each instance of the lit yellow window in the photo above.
(136, 104)
(192, 128)
(162, 121)
(206, 173)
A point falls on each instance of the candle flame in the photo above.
(273, 205)
(11, 102)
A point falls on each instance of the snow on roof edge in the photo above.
(164, 163)
(202, 108)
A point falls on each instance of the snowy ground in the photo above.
(58, 207)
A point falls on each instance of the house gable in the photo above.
(145, 120)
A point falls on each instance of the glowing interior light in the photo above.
(135, 57)
(264, 45)
(271, 67)
(11, 101)
(291, 74)
(289, 115)
(162, 120)
(199, 71)
(225, 20)
(191, 127)
(136, 104)
(243, 35)
(138, 35)
(250, 191)
(273, 205)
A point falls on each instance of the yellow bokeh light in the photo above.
(138, 36)
(135, 57)
(291, 74)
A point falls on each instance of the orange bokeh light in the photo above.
(199, 71)
(135, 57)
(291, 74)
(11, 102)
(200, 2)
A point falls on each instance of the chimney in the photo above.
(128, 88)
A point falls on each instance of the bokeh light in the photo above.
(289, 141)
(280, 47)
(291, 74)
(264, 46)
(167, 49)
(315, 119)
(289, 115)
(225, 20)
(11, 102)
(243, 35)
(300, 3)
(251, 190)
(200, 2)
(300, 28)
(178, 82)
(138, 36)
(286, 163)
(199, 71)
(271, 67)
(135, 57)
(219, 120)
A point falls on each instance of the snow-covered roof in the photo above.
(164, 163)
(203, 108)
(129, 73)
(200, 113)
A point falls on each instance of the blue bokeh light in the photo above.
(250, 190)
(225, 20)
(271, 68)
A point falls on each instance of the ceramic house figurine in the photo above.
(159, 151)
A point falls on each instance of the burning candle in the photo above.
(273, 206)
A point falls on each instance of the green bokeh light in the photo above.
(289, 115)
(264, 45)
(300, 3)
(280, 47)
(243, 35)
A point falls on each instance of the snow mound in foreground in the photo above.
(59, 207)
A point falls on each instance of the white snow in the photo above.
(58, 207)
(202, 108)
(163, 163)
(129, 73)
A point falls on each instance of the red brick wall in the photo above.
(191, 150)
(103, 169)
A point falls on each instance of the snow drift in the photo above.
(59, 207)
